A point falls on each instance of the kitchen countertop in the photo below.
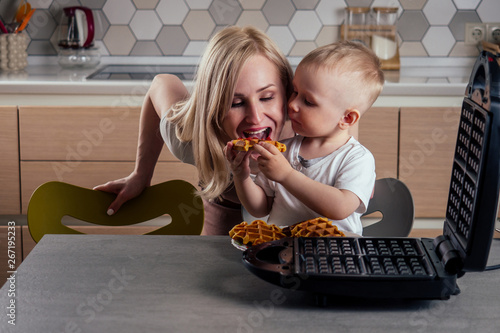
(419, 82)
(118, 283)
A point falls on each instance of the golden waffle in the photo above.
(238, 232)
(255, 233)
(247, 144)
(318, 227)
(281, 146)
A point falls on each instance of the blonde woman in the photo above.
(241, 90)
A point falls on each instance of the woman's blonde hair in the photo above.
(199, 118)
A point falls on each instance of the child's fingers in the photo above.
(266, 149)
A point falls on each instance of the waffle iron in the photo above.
(410, 267)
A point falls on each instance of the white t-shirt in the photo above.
(351, 167)
(182, 150)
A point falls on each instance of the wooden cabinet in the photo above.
(9, 161)
(85, 146)
(427, 145)
(76, 134)
(378, 132)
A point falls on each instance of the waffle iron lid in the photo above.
(475, 180)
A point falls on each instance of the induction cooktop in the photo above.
(142, 72)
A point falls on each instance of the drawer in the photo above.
(9, 161)
(428, 138)
(80, 134)
(378, 132)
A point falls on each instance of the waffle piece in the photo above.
(318, 227)
(247, 144)
(255, 233)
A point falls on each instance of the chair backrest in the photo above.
(51, 201)
(393, 199)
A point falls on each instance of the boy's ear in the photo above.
(350, 118)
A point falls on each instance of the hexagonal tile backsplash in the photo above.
(426, 28)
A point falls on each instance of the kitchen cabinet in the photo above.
(427, 144)
(9, 161)
(10, 253)
(378, 132)
(85, 146)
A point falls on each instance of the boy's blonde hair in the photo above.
(199, 118)
(356, 63)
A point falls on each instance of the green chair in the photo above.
(393, 199)
(52, 201)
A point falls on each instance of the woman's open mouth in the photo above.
(261, 134)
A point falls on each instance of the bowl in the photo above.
(79, 58)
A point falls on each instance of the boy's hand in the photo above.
(239, 161)
(271, 162)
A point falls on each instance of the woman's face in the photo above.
(259, 102)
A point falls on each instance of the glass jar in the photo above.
(355, 24)
(383, 41)
(385, 15)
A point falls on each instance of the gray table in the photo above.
(102, 283)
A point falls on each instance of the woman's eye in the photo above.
(267, 98)
(237, 104)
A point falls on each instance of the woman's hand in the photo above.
(125, 189)
(165, 90)
(239, 162)
(272, 163)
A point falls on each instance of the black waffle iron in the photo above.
(410, 267)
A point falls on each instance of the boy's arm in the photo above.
(251, 196)
(328, 201)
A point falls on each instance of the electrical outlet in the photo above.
(493, 33)
(474, 33)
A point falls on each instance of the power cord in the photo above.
(493, 267)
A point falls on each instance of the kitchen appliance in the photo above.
(410, 267)
(76, 41)
(142, 72)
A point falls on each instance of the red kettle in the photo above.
(78, 32)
